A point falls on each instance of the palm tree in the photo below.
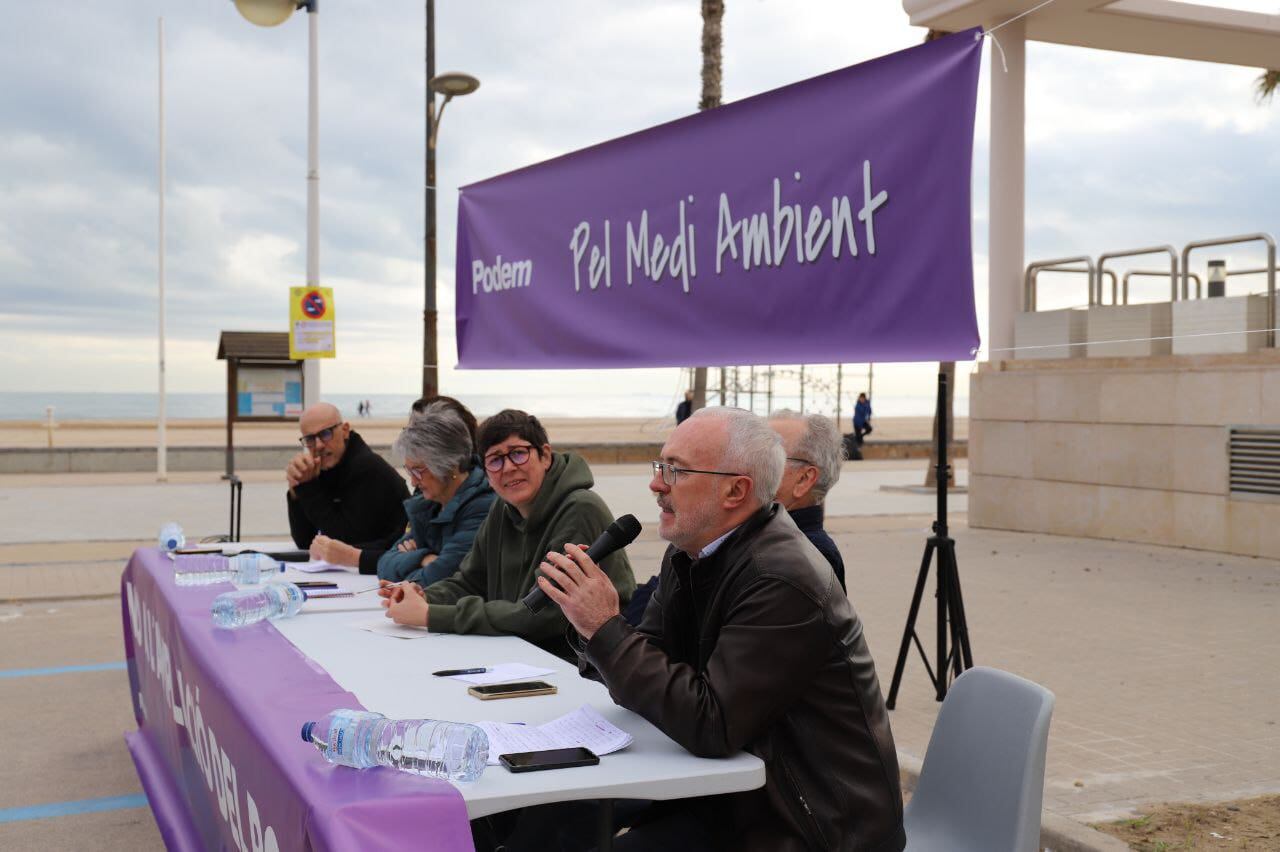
(1267, 83)
(712, 17)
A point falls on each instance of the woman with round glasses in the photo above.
(453, 497)
(544, 502)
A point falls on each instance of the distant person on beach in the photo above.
(862, 418)
(544, 502)
(685, 408)
(360, 408)
(368, 408)
(814, 452)
(340, 487)
(453, 499)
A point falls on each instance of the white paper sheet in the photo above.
(386, 627)
(502, 673)
(582, 727)
(317, 566)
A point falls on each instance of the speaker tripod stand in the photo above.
(952, 642)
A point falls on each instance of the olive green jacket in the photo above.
(502, 567)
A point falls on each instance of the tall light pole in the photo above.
(450, 85)
(271, 13)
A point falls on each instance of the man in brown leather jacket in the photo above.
(748, 643)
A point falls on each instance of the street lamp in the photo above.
(451, 84)
(271, 13)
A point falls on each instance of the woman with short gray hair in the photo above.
(453, 498)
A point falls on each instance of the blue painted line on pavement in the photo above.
(83, 806)
(96, 667)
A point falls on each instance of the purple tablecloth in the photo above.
(218, 747)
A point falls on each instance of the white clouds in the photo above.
(1123, 151)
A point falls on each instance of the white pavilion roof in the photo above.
(1152, 27)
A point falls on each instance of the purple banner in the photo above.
(822, 222)
(218, 747)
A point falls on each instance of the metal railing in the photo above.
(1153, 273)
(1178, 268)
(1270, 269)
(1035, 268)
(1173, 270)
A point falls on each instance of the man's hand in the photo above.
(428, 559)
(335, 552)
(303, 467)
(405, 603)
(407, 545)
(586, 595)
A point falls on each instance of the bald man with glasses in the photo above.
(341, 488)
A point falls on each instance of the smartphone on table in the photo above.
(556, 758)
(512, 690)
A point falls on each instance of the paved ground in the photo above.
(1162, 659)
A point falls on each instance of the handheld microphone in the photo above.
(619, 534)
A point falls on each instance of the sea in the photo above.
(69, 406)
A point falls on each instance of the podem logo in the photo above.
(501, 275)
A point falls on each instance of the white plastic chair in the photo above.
(982, 782)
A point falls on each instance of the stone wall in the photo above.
(1122, 448)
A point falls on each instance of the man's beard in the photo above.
(688, 524)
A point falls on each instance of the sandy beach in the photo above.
(30, 434)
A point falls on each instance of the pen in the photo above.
(375, 588)
(452, 672)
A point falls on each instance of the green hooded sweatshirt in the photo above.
(484, 596)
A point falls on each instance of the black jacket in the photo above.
(757, 647)
(809, 520)
(360, 501)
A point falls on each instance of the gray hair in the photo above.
(752, 449)
(438, 439)
(821, 444)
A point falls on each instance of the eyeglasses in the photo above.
(324, 435)
(801, 461)
(669, 472)
(415, 473)
(518, 455)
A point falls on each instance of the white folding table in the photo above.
(393, 676)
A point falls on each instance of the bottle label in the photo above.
(341, 733)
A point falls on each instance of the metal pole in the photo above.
(313, 148)
(723, 370)
(430, 374)
(162, 454)
(802, 388)
(839, 392)
(769, 391)
(871, 376)
(751, 392)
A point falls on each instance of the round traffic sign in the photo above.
(313, 304)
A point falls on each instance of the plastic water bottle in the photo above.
(232, 610)
(362, 739)
(245, 569)
(171, 537)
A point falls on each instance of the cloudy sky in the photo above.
(1122, 151)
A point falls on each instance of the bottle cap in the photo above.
(307, 728)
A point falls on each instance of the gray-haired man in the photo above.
(814, 450)
(748, 643)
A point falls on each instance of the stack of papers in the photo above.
(582, 727)
(316, 566)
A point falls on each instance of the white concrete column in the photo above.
(1007, 199)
